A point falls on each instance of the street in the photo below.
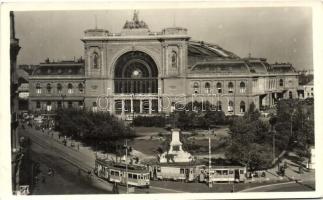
(285, 187)
(70, 163)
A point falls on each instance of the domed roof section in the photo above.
(206, 52)
(257, 65)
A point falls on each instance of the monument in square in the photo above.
(175, 153)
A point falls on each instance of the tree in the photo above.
(250, 141)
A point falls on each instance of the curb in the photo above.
(263, 186)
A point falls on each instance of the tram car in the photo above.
(175, 172)
(138, 175)
(224, 174)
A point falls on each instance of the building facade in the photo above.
(140, 72)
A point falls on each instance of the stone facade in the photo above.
(138, 72)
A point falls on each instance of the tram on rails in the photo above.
(223, 174)
(134, 175)
(175, 171)
(197, 172)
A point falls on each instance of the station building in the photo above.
(140, 72)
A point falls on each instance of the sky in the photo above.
(280, 34)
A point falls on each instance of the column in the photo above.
(150, 106)
(131, 104)
(122, 106)
(159, 104)
(140, 105)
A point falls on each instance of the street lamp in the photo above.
(274, 143)
(291, 123)
(126, 146)
(132, 110)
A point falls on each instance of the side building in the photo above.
(139, 72)
(55, 85)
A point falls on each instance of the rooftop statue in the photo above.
(135, 23)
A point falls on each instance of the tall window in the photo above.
(38, 104)
(242, 107)
(242, 87)
(230, 106)
(70, 104)
(49, 88)
(219, 87)
(219, 105)
(81, 104)
(95, 60)
(207, 87)
(49, 106)
(196, 87)
(174, 59)
(281, 83)
(230, 86)
(290, 94)
(59, 104)
(81, 87)
(94, 107)
(38, 88)
(59, 88)
(70, 88)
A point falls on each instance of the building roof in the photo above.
(310, 83)
(60, 68)
(282, 68)
(22, 74)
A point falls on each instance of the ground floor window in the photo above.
(49, 106)
(219, 106)
(242, 107)
(59, 104)
(230, 106)
(94, 107)
(37, 104)
(70, 104)
(118, 106)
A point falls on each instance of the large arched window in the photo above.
(230, 106)
(242, 107)
(230, 87)
(59, 88)
(242, 87)
(38, 88)
(281, 83)
(135, 72)
(207, 87)
(95, 60)
(49, 88)
(70, 88)
(219, 87)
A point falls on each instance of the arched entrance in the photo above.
(135, 84)
(135, 72)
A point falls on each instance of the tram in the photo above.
(134, 175)
(223, 174)
(175, 172)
